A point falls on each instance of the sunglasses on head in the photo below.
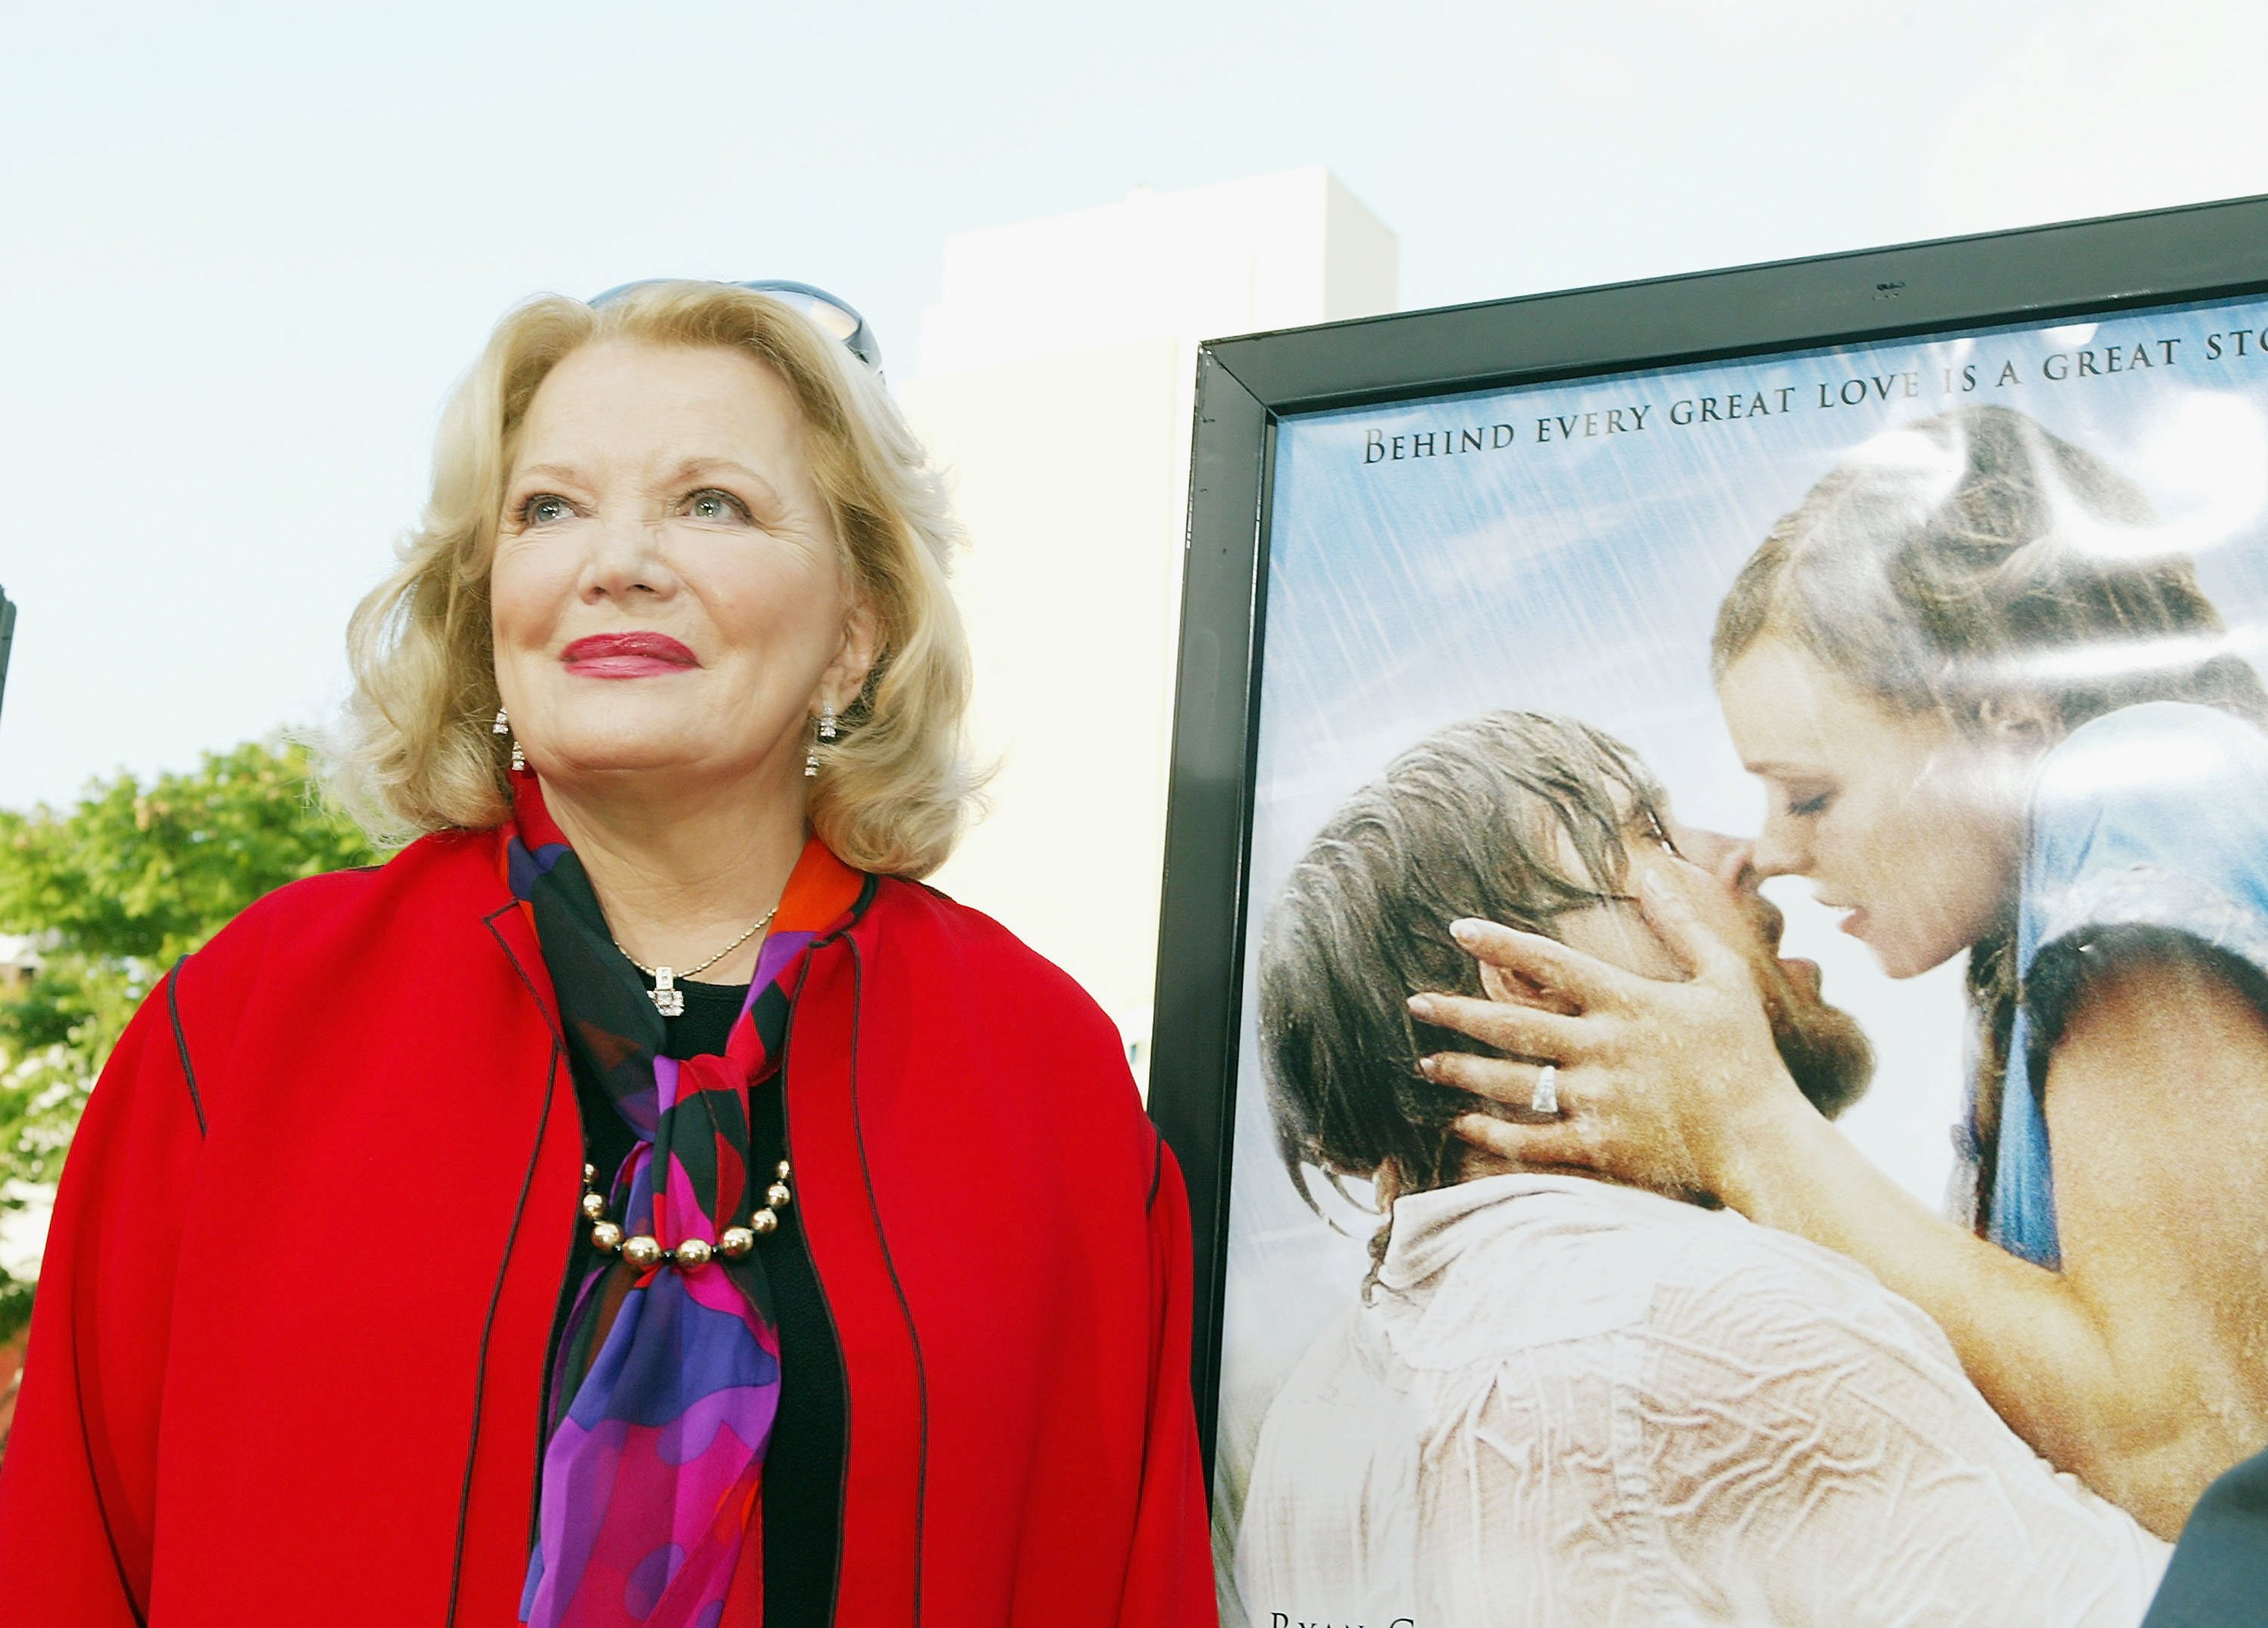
(833, 316)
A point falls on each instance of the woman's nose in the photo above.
(1723, 857)
(1778, 850)
(626, 559)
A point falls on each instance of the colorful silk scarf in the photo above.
(664, 1384)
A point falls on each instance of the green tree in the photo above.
(114, 890)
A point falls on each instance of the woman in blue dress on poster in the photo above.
(1994, 713)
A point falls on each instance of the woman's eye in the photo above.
(545, 509)
(1810, 807)
(714, 505)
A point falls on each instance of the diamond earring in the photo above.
(504, 727)
(825, 732)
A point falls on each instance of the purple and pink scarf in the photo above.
(664, 1384)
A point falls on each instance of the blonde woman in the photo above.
(639, 1201)
(1994, 713)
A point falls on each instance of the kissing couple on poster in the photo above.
(1994, 714)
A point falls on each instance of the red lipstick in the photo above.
(627, 656)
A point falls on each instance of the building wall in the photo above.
(1055, 388)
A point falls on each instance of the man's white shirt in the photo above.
(1571, 1403)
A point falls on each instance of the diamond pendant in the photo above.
(668, 999)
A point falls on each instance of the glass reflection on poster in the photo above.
(1898, 710)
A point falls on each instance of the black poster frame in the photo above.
(1246, 385)
(7, 639)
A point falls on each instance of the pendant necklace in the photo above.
(668, 999)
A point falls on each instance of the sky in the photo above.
(245, 249)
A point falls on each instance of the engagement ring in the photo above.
(1545, 1098)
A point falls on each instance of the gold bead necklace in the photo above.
(644, 1252)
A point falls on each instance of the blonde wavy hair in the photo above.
(417, 752)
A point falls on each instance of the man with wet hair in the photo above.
(1565, 1401)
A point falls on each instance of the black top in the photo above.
(803, 1466)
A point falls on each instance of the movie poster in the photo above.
(1528, 583)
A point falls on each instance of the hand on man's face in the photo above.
(1688, 981)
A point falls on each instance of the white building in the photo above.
(1056, 385)
(20, 960)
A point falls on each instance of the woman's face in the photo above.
(1913, 827)
(667, 594)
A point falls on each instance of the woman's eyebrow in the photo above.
(552, 472)
(700, 464)
(693, 468)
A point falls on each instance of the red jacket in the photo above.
(285, 1356)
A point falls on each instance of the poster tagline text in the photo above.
(1945, 383)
